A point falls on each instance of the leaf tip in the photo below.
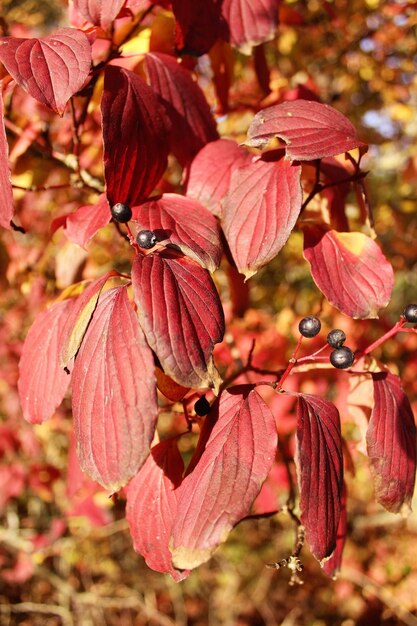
(189, 558)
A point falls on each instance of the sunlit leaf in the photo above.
(152, 506)
(391, 444)
(332, 565)
(193, 124)
(181, 315)
(350, 270)
(79, 318)
(86, 221)
(210, 172)
(114, 393)
(184, 223)
(260, 211)
(42, 382)
(98, 12)
(250, 22)
(240, 448)
(311, 130)
(51, 69)
(320, 471)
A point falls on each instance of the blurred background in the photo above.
(66, 556)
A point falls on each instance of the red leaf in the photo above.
(260, 211)
(135, 135)
(186, 224)
(210, 172)
(42, 383)
(98, 12)
(79, 317)
(51, 69)
(181, 315)
(193, 124)
(391, 444)
(250, 22)
(310, 129)
(87, 220)
(333, 564)
(168, 387)
(152, 506)
(114, 393)
(350, 270)
(320, 471)
(197, 25)
(6, 193)
(219, 492)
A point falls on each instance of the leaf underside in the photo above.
(391, 444)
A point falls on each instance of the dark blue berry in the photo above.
(342, 358)
(309, 326)
(410, 313)
(121, 212)
(146, 239)
(336, 338)
(202, 406)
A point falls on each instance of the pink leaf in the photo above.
(6, 193)
(51, 69)
(333, 564)
(79, 317)
(210, 172)
(320, 471)
(310, 129)
(391, 444)
(197, 25)
(114, 393)
(260, 211)
(350, 270)
(98, 12)
(42, 383)
(135, 135)
(152, 506)
(181, 315)
(87, 220)
(250, 22)
(220, 490)
(184, 223)
(193, 124)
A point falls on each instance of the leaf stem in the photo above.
(393, 331)
(291, 363)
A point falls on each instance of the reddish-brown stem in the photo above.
(394, 330)
(34, 188)
(132, 239)
(291, 363)
(319, 187)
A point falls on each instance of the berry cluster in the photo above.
(146, 239)
(121, 213)
(342, 356)
(309, 326)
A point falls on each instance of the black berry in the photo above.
(121, 212)
(146, 239)
(410, 313)
(342, 358)
(309, 326)
(336, 338)
(202, 406)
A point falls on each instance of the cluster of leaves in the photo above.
(118, 338)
